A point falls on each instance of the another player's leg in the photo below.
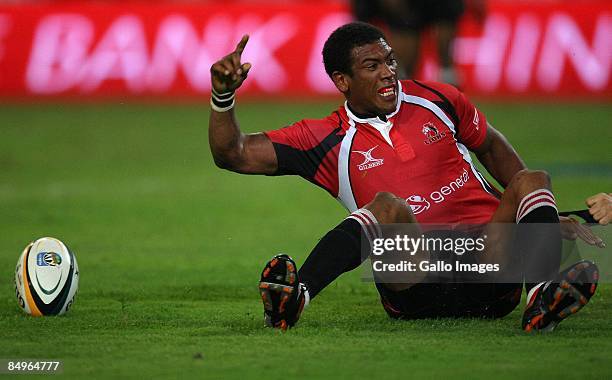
(285, 291)
(406, 46)
(446, 15)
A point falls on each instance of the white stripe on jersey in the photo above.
(460, 147)
(430, 106)
(466, 156)
(345, 192)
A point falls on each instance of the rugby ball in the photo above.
(46, 278)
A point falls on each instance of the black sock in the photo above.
(339, 251)
(540, 245)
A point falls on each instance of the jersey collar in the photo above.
(383, 127)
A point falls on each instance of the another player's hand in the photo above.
(228, 73)
(600, 206)
(571, 229)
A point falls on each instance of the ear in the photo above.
(342, 81)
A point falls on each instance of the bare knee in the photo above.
(526, 181)
(389, 208)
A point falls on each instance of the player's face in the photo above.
(372, 89)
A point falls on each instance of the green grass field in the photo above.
(170, 250)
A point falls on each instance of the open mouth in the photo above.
(387, 91)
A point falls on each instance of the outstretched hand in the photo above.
(228, 73)
(571, 229)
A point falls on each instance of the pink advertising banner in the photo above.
(80, 50)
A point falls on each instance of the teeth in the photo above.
(387, 92)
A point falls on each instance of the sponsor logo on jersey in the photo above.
(369, 161)
(418, 204)
(48, 259)
(432, 135)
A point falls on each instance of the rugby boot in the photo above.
(281, 292)
(551, 302)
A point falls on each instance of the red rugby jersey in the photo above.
(420, 154)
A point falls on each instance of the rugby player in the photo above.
(389, 154)
(408, 21)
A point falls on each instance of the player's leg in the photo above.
(285, 291)
(446, 18)
(528, 201)
(406, 47)
(406, 21)
(445, 33)
(522, 186)
(551, 302)
(551, 296)
(426, 300)
(339, 251)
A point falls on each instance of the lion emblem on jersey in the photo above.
(417, 204)
(431, 133)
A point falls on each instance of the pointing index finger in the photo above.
(242, 44)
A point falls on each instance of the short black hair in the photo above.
(338, 47)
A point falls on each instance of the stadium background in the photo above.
(103, 144)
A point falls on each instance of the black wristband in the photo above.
(222, 102)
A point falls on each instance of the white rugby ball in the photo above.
(46, 278)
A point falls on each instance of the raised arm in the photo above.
(232, 149)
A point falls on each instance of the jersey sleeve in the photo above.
(472, 124)
(291, 145)
(309, 148)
